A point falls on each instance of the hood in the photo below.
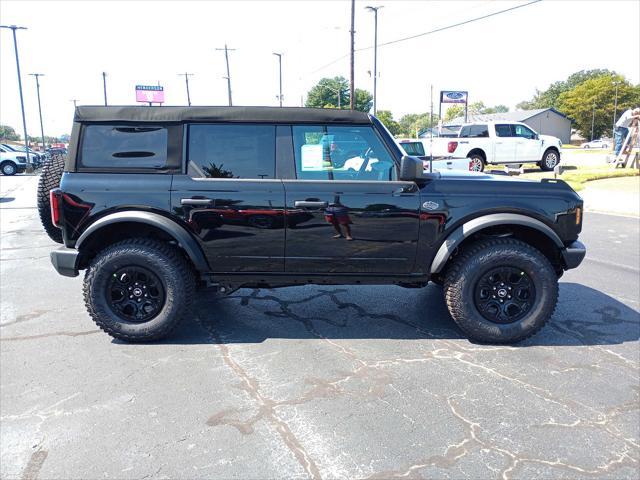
(549, 140)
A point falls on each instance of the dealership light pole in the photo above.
(375, 54)
(104, 86)
(615, 112)
(186, 80)
(24, 120)
(228, 77)
(593, 120)
(352, 59)
(279, 55)
(37, 76)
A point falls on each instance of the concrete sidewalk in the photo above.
(613, 195)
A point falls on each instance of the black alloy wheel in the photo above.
(504, 295)
(135, 294)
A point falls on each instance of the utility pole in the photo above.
(24, 120)
(279, 55)
(228, 77)
(36, 76)
(75, 102)
(353, 34)
(104, 86)
(615, 113)
(593, 119)
(375, 54)
(186, 80)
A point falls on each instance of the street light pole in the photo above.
(104, 86)
(24, 120)
(615, 112)
(593, 119)
(352, 60)
(279, 55)
(186, 79)
(375, 54)
(75, 103)
(36, 76)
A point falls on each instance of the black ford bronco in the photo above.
(156, 202)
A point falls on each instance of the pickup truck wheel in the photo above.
(138, 290)
(501, 290)
(476, 162)
(49, 179)
(549, 161)
(9, 168)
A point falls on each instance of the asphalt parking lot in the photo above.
(317, 382)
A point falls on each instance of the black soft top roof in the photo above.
(218, 114)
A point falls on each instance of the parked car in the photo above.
(596, 144)
(37, 159)
(12, 162)
(124, 211)
(500, 143)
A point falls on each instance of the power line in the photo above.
(437, 30)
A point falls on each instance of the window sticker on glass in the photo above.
(311, 158)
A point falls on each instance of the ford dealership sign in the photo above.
(453, 97)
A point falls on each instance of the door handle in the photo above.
(310, 204)
(196, 201)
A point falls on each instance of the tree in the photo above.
(453, 111)
(413, 123)
(325, 95)
(549, 97)
(386, 117)
(578, 103)
(8, 133)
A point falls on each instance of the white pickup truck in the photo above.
(485, 143)
(418, 147)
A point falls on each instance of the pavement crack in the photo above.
(46, 335)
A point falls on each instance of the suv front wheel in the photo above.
(138, 290)
(501, 290)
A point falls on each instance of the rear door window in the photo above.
(124, 146)
(504, 130)
(232, 151)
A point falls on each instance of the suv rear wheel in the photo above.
(476, 162)
(138, 290)
(501, 290)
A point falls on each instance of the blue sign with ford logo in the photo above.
(453, 97)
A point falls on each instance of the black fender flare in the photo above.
(468, 228)
(180, 234)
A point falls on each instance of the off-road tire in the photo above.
(163, 260)
(474, 261)
(49, 179)
(8, 168)
(478, 160)
(546, 163)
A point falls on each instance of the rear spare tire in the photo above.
(501, 290)
(49, 179)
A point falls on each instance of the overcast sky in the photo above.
(499, 60)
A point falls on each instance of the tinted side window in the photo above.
(232, 151)
(478, 131)
(121, 146)
(413, 148)
(504, 131)
(464, 132)
(341, 153)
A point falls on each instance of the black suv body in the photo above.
(235, 197)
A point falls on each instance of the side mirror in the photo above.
(410, 168)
